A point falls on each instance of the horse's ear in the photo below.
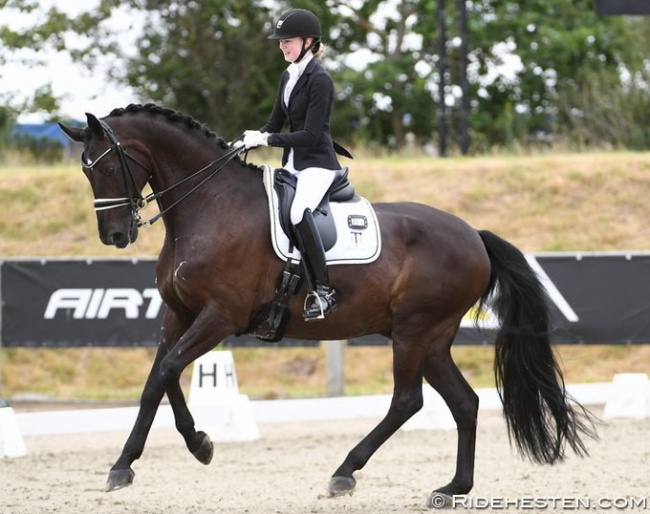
(75, 134)
(94, 125)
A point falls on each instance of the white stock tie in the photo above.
(294, 74)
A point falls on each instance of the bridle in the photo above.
(135, 200)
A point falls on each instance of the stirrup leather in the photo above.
(325, 304)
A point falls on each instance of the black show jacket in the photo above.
(309, 110)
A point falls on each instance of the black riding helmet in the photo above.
(298, 23)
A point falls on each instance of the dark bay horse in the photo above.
(217, 269)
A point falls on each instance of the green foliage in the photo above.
(44, 100)
(581, 78)
(7, 119)
(211, 59)
(562, 45)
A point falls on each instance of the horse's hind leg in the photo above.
(445, 377)
(407, 400)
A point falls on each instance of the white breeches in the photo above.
(312, 185)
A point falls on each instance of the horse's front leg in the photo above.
(205, 333)
(121, 474)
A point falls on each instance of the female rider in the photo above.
(305, 96)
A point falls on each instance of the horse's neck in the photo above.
(228, 193)
(177, 154)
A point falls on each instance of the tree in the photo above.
(560, 45)
(383, 91)
(211, 59)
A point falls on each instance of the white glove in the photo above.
(255, 138)
(237, 144)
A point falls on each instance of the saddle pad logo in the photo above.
(358, 237)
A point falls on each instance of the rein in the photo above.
(226, 158)
(135, 199)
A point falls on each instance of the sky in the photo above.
(80, 90)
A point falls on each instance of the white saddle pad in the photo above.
(355, 243)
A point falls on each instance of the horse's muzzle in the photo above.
(121, 239)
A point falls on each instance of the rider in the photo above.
(305, 96)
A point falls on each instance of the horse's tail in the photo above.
(536, 406)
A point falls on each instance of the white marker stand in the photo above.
(629, 397)
(434, 415)
(218, 408)
(11, 441)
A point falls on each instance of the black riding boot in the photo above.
(320, 300)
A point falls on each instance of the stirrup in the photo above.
(326, 304)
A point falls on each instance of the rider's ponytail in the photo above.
(318, 49)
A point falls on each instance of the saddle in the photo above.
(357, 240)
(341, 190)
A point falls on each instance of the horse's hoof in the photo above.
(438, 500)
(340, 486)
(119, 478)
(206, 450)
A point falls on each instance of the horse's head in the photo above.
(116, 177)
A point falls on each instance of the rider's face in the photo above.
(291, 48)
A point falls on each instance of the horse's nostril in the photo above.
(118, 239)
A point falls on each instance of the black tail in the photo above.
(538, 412)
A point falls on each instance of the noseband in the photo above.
(135, 200)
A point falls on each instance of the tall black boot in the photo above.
(320, 300)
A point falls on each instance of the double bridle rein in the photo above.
(135, 200)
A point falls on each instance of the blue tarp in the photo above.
(41, 131)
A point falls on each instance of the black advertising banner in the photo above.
(80, 303)
(622, 7)
(595, 298)
(602, 298)
(73, 303)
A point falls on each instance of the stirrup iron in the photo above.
(325, 302)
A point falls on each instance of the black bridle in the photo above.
(135, 200)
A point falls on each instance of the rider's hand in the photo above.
(237, 144)
(255, 138)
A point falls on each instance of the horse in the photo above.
(217, 269)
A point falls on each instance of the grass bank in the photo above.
(546, 202)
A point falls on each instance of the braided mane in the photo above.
(171, 115)
(184, 119)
